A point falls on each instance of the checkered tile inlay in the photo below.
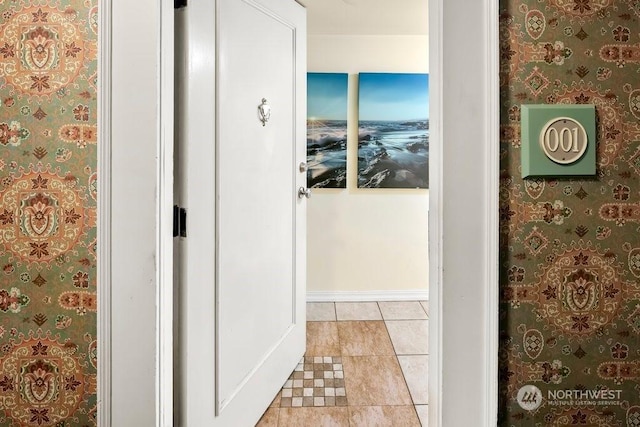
(316, 381)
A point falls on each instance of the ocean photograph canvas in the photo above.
(327, 130)
(393, 130)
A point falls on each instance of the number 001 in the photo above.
(566, 139)
(563, 140)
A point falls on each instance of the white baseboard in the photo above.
(364, 296)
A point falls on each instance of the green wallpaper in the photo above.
(570, 248)
(48, 212)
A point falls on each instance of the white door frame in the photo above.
(135, 199)
(463, 206)
(135, 215)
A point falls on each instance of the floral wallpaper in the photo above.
(570, 248)
(48, 159)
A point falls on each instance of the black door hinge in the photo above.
(179, 4)
(179, 221)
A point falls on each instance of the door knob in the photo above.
(304, 192)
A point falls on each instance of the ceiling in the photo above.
(366, 17)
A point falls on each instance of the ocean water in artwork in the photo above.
(393, 154)
(393, 130)
(327, 130)
(327, 153)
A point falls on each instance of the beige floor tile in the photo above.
(276, 401)
(374, 380)
(364, 338)
(321, 311)
(314, 417)
(415, 370)
(270, 418)
(425, 305)
(402, 310)
(409, 336)
(383, 416)
(322, 339)
(423, 414)
(358, 311)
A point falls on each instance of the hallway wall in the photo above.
(366, 239)
(570, 248)
(48, 190)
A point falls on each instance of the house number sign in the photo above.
(558, 140)
(563, 140)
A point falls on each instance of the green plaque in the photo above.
(558, 140)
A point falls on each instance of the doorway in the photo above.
(366, 243)
(462, 58)
(367, 248)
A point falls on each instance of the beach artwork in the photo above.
(327, 130)
(393, 133)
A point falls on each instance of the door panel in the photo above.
(256, 190)
(242, 286)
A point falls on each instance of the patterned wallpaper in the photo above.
(48, 212)
(570, 248)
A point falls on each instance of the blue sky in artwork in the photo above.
(327, 96)
(390, 96)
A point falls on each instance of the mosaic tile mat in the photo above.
(315, 382)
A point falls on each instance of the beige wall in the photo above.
(369, 239)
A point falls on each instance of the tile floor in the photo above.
(365, 365)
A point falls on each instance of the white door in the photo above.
(242, 287)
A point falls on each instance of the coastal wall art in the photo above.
(570, 246)
(393, 133)
(327, 130)
(48, 128)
